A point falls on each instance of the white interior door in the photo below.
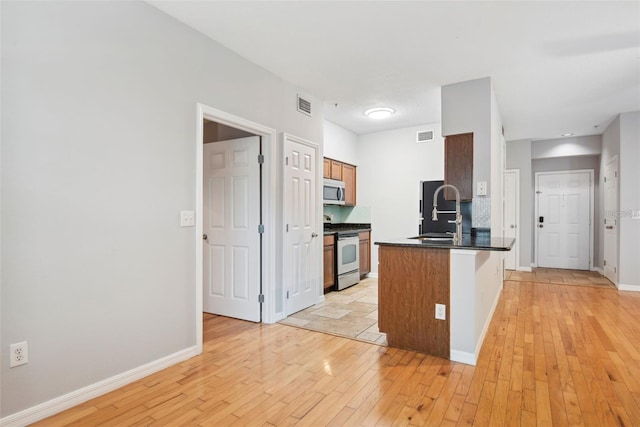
(563, 219)
(231, 250)
(511, 219)
(611, 221)
(302, 237)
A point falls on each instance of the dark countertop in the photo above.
(481, 242)
(345, 228)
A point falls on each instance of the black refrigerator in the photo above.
(426, 225)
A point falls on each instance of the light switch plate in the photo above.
(635, 214)
(482, 188)
(187, 219)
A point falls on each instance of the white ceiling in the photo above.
(556, 67)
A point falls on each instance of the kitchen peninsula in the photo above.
(415, 274)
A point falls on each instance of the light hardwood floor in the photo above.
(554, 355)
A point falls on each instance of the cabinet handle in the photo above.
(609, 227)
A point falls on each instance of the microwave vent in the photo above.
(304, 106)
(424, 136)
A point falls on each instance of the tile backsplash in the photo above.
(481, 212)
(340, 214)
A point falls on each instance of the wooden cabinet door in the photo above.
(336, 170)
(365, 253)
(458, 166)
(326, 168)
(349, 178)
(329, 262)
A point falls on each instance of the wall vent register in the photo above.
(424, 136)
(304, 106)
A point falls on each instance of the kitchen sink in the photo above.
(434, 237)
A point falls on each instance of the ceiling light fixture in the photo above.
(379, 113)
(567, 134)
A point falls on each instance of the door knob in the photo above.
(513, 226)
(314, 234)
(540, 225)
(204, 237)
(609, 227)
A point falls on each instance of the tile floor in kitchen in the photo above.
(352, 312)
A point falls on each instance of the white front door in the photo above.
(511, 202)
(563, 219)
(611, 221)
(231, 215)
(302, 237)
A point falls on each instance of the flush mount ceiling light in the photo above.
(379, 113)
(567, 134)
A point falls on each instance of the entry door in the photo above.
(611, 221)
(231, 213)
(511, 201)
(563, 219)
(302, 236)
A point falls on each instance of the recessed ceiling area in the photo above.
(556, 67)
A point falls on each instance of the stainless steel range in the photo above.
(348, 260)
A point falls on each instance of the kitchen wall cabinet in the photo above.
(365, 252)
(329, 262)
(326, 168)
(458, 166)
(335, 169)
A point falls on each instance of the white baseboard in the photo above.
(631, 288)
(372, 275)
(279, 317)
(462, 357)
(598, 270)
(521, 268)
(69, 400)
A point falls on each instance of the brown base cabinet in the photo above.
(365, 253)
(329, 262)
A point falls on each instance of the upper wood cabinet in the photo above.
(335, 169)
(326, 168)
(349, 178)
(458, 165)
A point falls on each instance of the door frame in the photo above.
(269, 206)
(516, 247)
(612, 159)
(591, 209)
(284, 137)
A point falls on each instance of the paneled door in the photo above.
(563, 219)
(231, 216)
(610, 222)
(302, 229)
(511, 204)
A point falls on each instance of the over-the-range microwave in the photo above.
(333, 192)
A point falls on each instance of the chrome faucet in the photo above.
(457, 237)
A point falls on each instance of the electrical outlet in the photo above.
(441, 311)
(187, 219)
(18, 354)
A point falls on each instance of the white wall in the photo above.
(390, 168)
(519, 157)
(340, 143)
(590, 145)
(98, 158)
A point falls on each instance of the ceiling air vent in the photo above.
(424, 136)
(304, 106)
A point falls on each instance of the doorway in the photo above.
(563, 212)
(512, 216)
(268, 270)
